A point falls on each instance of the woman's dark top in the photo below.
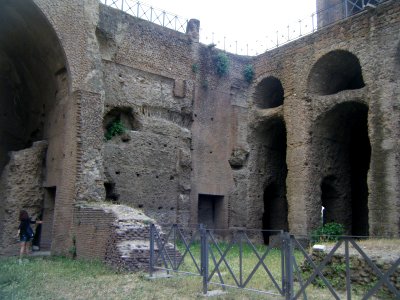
(23, 226)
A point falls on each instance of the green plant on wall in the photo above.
(195, 68)
(248, 73)
(114, 128)
(328, 232)
(221, 64)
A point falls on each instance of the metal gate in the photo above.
(218, 257)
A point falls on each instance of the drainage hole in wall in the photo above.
(137, 175)
(171, 177)
(117, 172)
(140, 205)
(160, 207)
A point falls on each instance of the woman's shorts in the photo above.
(24, 238)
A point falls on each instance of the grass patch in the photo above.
(64, 278)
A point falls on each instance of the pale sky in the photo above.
(252, 22)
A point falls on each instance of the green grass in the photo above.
(260, 280)
(64, 278)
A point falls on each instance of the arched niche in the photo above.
(34, 91)
(269, 93)
(342, 152)
(336, 71)
(34, 77)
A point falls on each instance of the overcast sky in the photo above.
(242, 23)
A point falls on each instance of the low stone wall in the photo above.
(361, 272)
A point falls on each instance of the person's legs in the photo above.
(22, 250)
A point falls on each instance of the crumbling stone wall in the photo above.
(116, 234)
(149, 166)
(303, 109)
(21, 188)
(195, 134)
(361, 272)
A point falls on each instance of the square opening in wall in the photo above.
(210, 210)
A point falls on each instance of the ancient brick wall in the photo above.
(265, 154)
(364, 35)
(93, 228)
(219, 130)
(116, 234)
(149, 80)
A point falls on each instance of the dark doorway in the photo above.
(329, 199)
(210, 210)
(275, 211)
(48, 216)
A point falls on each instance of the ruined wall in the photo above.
(193, 134)
(149, 86)
(21, 188)
(219, 148)
(365, 36)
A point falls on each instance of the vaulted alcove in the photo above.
(342, 151)
(336, 71)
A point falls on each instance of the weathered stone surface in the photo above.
(21, 188)
(317, 126)
(238, 158)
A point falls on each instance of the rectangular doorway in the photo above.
(210, 211)
(48, 216)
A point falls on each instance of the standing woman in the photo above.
(25, 232)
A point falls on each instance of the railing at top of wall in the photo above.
(149, 13)
(291, 32)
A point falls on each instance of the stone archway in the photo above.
(33, 97)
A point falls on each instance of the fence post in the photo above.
(204, 258)
(288, 289)
(151, 263)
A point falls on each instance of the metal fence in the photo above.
(276, 38)
(229, 259)
(149, 13)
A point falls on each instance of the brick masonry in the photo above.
(194, 134)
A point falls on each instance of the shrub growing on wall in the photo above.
(248, 73)
(221, 64)
(114, 128)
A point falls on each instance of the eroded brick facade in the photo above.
(317, 126)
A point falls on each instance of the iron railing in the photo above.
(301, 27)
(295, 30)
(149, 13)
(197, 251)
